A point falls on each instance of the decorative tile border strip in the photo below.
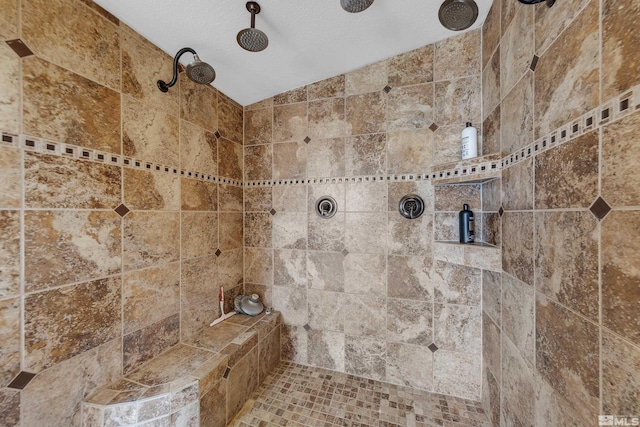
(70, 151)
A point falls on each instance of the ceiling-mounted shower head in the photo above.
(458, 15)
(252, 39)
(549, 2)
(355, 6)
(198, 71)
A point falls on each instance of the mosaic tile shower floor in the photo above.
(297, 395)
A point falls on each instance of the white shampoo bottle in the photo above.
(469, 142)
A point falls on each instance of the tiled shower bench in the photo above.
(202, 381)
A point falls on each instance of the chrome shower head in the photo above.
(549, 2)
(458, 15)
(355, 6)
(252, 39)
(198, 71)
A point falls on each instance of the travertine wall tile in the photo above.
(409, 151)
(410, 365)
(458, 101)
(619, 176)
(150, 238)
(198, 195)
(290, 122)
(491, 32)
(456, 374)
(366, 113)
(198, 293)
(517, 115)
(516, 48)
(10, 336)
(149, 190)
(229, 232)
(518, 393)
(410, 68)
(243, 380)
(9, 27)
(10, 87)
(290, 160)
(327, 310)
(517, 245)
(10, 406)
(365, 357)
(258, 126)
(620, 376)
(410, 321)
(326, 158)
(326, 271)
(518, 321)
(198, 103)
(457, 56)
(333, 87)
(144, 344)
(371, 78)
(517, 186)
(326, 118)
(409, 278)
(457, 328)
(198, 149)
(491, 132)
(9, 253)
(491, 336)
(410, 107)
(230, 161)
(366, 155)
(491, 95)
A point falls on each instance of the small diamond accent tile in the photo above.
(534, 62)
(600, 208)
(433, 127)
(21, 49)
(21, 380)
(307, 327)
(387, 89)
(218, 252)
(345, 252)
(226, 372)
(218, 134)
(273, 211)
(501, 211)
(307, 139)
(122, 210)
(433, 347)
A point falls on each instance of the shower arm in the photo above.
(164, 87)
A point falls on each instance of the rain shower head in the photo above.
(252, 39)
(458, 15)
(549, 2)
(198, 71)
(355, 6)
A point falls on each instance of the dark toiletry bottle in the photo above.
(466, 225)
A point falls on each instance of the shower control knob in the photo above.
(411, 206)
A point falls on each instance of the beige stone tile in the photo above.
(410, 107)
(567, 357)
(551, 22)
(55, 330)
(365, 357)
(491, 32)
(517, 48)
(230, 275)
(9, 87)
(517, 115)
(366, 113)
(509, 10)
(10, 335)
(409, 321)
(458, 101)
(213, 407)
(73, 37)
(143, 64)
(517, 245)
(456, 284)
(149, 134)
(54, 182)
(491, 345)
(326, 349)
(327, 234)
(258, 266)
(292, 303)
(366, 197)
(9, 253)
(230, 159)
(150, 238)
(257, 162)
(458, 56)
(517, 186)
(198, 103)
(491, 95)
(620, 293)
(9, 27)
(289, 230)
(290, 122)
(10, 406)
(409, 151)
(332, 87)
(457, 374)
(149, 296)
(409, 365)
(620, 376)
(409, 236)
(452, 197)
(230, 118)
(269, 354)
(567, 176)
(371, 78)
(364, 231)
(289, 268)
(258, 126)
(446, 227)
(258, 199)
(326, 158)
(231, 198)
(326, 271)
(198, 293)
(198, 195)
(491, 133)
(366, 155)
(292, 96)
(518, 321)
(559, 100)
(327, 310)
(410, 278)
(397, 190)
(326, 118)
(457, 328)
(63, 247)
(150, 190)
(518, 394)
(566, 252)
(85, 373)
(66, 107)
(198, 150)
(620, 179)
(491, 195)
(622, 61)
(492, 297)
(364, 315)
(229, 232)
(290, 160)
(257, 229)
(365, 274)
(410, 68)
(294, 343)
(147, 343)
(491, 391)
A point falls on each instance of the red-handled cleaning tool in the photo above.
(222, 315)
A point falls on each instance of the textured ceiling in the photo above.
(309, 40)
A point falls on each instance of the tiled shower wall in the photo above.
(116, 225)
(361, 292)
(561, 339)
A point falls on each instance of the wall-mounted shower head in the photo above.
(458, 15)
(355, 6)
(198, 71)
(252, 39)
